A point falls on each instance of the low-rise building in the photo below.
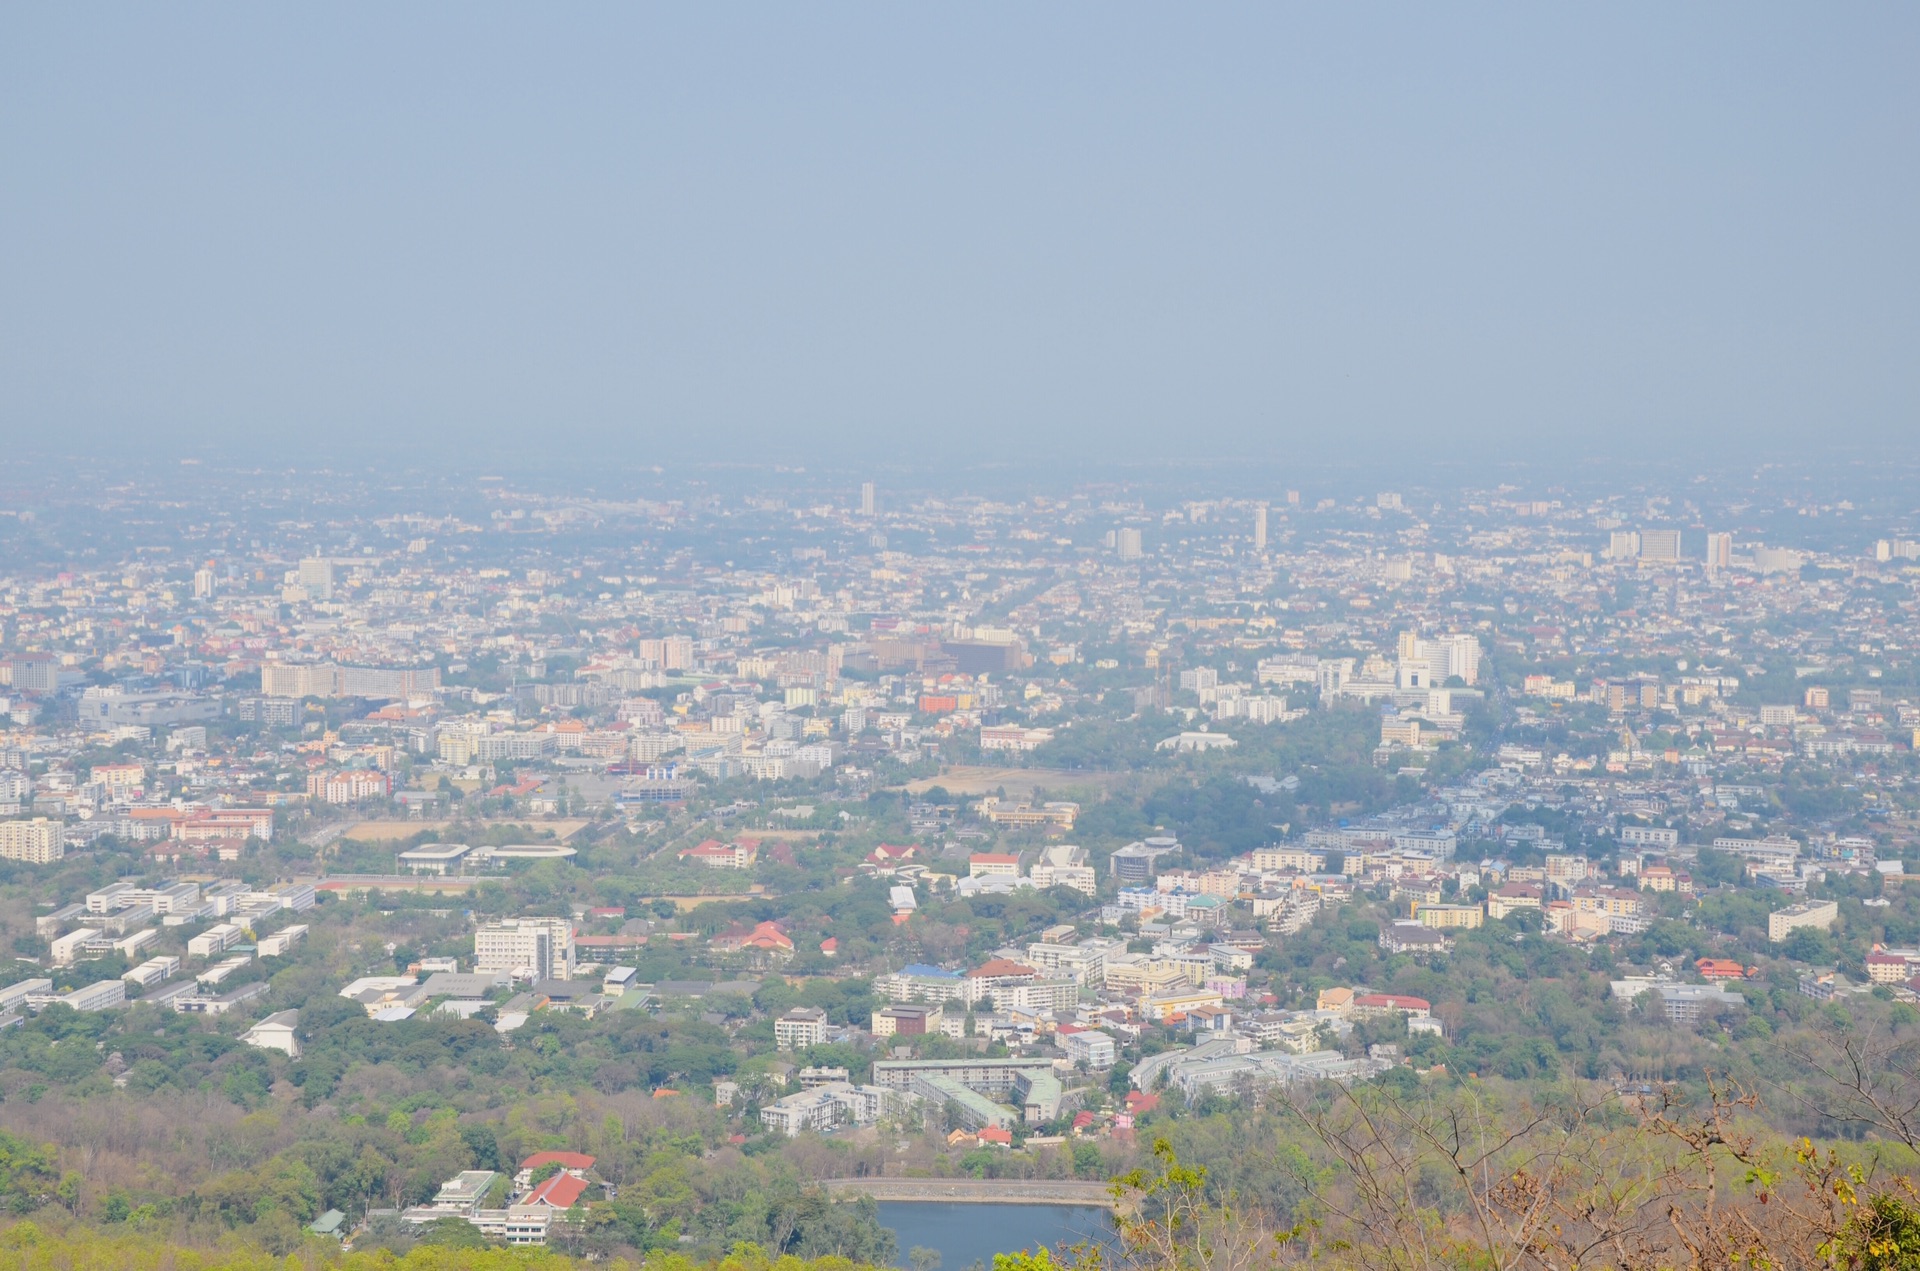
(1449, 917)
(1414, 938)
(215, 940)
(1808, 913)
(828, 1106)
(276, 1032)
(1088, 1047)
(907, 1019)
(1689, 1003)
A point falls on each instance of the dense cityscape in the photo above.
(959, 638)
(605, 864)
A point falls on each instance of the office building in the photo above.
(316, 577)
(1660, 547)
(31, 672)
(1444, 658)
(525, 948)
(1134, 863)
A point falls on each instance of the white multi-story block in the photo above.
(531, 948)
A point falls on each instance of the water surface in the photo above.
(965, 1234)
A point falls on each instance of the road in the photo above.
(318, 839)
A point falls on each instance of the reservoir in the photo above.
(965, 1234)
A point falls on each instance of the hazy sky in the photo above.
(783, 230)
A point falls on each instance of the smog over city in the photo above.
(1047, 639)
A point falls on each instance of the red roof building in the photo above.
(578, 1162)
(717, 855)
(1001, 969)
(562, 1191)
(765, 937)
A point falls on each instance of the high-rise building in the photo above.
(674, 653)
(202, 583)
(866, 498)
(1719, 550)
(1127, 543)
(40, 841)
(535, 948)
(1623, 545)
(1662, 547)
(1463, 656)
(1293, 498)
(1260, 528)
(1388, 501)
(1437, 661)
(1896, 549)
(316, 575)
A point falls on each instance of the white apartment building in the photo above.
(826, 1106)
(800, 1028)
(1090, 1048)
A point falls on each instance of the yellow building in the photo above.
(1445, 917)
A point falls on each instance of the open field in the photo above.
(1019, 782)
(393, 831)
(427, 883)
(756, 892)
